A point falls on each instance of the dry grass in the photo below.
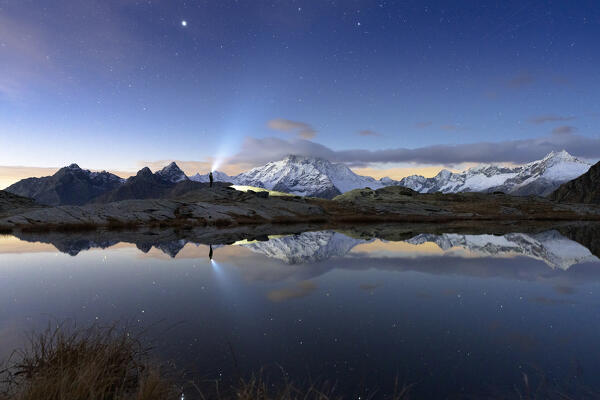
(258, 387)
(95, 364)
(107, 363)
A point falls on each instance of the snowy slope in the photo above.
(306, 176)
(307, 247)
(538, 177)
(550, 247)
(546, 175)
(317, 177)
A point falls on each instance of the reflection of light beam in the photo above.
(219, 274)
(216, 267)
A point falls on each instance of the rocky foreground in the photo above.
(226, 207)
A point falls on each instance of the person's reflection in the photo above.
(210, 252)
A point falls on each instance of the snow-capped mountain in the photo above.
(218, 176)
(550, 247)
(307, 247)
(540, 177)
(546, 175)
(172, 173)
(306, 176)
(316, 177)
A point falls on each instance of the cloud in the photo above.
(541, 119)
(449, 127)
(302, 129)
(368, 132)
(302, 289)
(259, 151)
(561, 130)
(521, 80)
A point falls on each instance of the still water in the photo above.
(453, 314)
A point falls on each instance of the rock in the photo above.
(585, 189)
(224, 206)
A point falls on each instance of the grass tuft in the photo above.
(107, 363)
(98, 363)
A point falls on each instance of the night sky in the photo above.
(380, 85)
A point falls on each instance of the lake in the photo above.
(454, 315)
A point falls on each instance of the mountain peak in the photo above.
(73, 166)
(306, 176)
(539, 177)
(296, 158)
(172, 173)
(560, 155)
(144, 172)
(444, 174)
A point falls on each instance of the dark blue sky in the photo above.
(114, 84)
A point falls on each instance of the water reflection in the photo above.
(557, 250)
(449, 308)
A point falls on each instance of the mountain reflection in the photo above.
(550, 247)
(558, 248)
(307, 247)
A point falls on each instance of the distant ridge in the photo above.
(167, 183)
(70, 185)
(299, 175)
(539, 177)
(218, 176)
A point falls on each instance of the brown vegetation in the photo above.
(107, 363)
(97, 363)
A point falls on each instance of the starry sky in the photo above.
(387, 87)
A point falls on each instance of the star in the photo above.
(184, 23)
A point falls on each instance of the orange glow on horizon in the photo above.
(401, 172)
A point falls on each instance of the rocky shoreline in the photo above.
(226, 207)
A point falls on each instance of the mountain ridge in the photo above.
(540, 177)
(70, 185)
(299, 175)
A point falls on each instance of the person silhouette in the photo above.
(210, 178)
(210, 252)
